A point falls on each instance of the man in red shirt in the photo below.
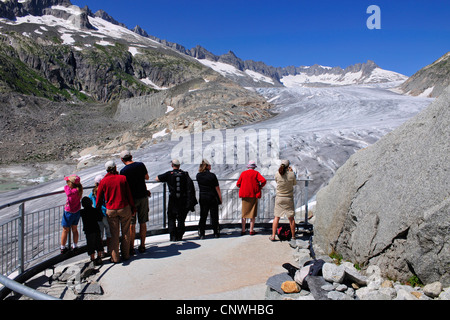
(119, 209)
(250, 183)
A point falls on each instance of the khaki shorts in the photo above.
(142, 210)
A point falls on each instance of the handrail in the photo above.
(7, 205)
(23, 289)
(30, 198)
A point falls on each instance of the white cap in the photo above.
(125, 153)
(110, 164)
(285, 163)
(98, 178)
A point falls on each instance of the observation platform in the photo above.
(232, 267)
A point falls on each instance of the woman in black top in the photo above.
(210, 198)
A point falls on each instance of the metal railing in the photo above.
(33, 234)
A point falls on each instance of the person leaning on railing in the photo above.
(284, 199)
(210, 198)
(250, 183)
(71, 216)
(119, 208)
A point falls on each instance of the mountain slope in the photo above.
(77, 51)
(429, 81)
(64, 71)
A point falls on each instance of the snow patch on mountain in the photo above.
(228, 70)
(377, 75)
(102, 29)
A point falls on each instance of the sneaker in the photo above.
(141, 249)
(64, 250)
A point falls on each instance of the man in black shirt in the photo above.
(181, 199)
(136, 173)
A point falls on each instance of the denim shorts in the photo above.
(70, 219)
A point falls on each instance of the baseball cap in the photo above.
(125, 153)
(110, 164)
(285, 163)
(73, 178)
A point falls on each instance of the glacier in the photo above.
(319, 129)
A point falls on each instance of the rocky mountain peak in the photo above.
(140, 31)
(105, 16)
(14, 8)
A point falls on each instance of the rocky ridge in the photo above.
(429, 81)
(368, 72)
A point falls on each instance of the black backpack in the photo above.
(178, 183)
(284, 233)
(315, 268)
(182, 187)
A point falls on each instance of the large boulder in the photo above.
(389, 204)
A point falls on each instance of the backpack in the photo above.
(178, 183)
(182, 187)
(284, 233)
(310, 268)
(315, 267)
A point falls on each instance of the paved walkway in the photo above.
(232, 267)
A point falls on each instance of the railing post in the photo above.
(164, 204)
(21, 238)
(306, 200)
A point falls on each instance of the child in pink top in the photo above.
(71, 216)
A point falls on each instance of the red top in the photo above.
(115, 189)
(250, 183)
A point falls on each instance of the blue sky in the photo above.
(413, 34)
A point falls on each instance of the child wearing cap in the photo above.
(71, 216)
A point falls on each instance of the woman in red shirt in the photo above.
(250, 183)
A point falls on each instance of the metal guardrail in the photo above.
(28, 239)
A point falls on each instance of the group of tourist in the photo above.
(119, 200)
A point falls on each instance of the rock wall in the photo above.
(389, 203)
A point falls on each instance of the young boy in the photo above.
(91, 216)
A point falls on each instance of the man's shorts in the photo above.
(70, 219)
(142, 210)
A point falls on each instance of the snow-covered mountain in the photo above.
(74, 26)
(251, 74)
(367, 73)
